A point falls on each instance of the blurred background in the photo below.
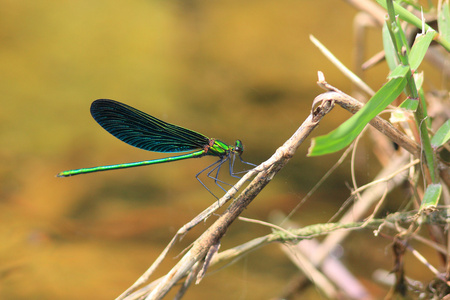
(230, 70)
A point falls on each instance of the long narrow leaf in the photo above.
(389, 50)
(419, 48)
(442, 135)
(444, 21)
(342, 136)
(431, 196)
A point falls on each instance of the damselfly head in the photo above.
(239, 147)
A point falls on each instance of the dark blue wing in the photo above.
(143, 131)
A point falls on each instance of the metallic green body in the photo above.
(218, 148)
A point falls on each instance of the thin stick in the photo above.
(346, 71)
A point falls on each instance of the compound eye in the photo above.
(239, 147)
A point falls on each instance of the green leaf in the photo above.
(420, 47)
(399, 72)
(389, 51)
(342, 136)
(442, 135)
(410, 104)
(418, 79)
(431, 196)
(443, 19)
